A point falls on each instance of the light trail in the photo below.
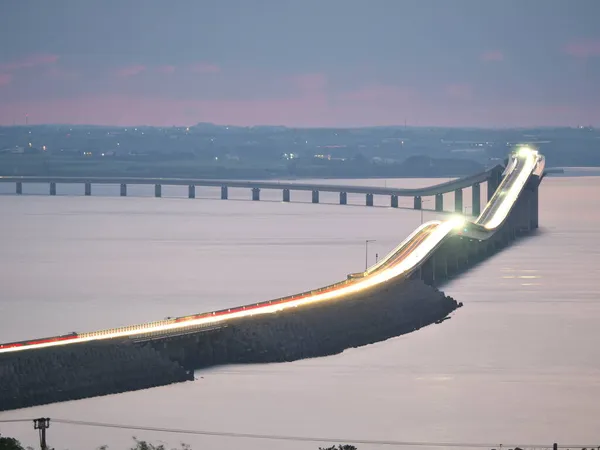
(401, 261)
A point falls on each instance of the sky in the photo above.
(302, 63)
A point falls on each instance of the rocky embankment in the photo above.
(71, 372)
(317, 330)
(77, 371)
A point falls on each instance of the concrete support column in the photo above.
(428, 272)
(19, 188)
(158, 190)
(286, 195)
(458, 201)
(224, 192)
(123, 190)
(439, 202)
(476, 201)
(191, 191)
(493, 182)
(418, 203)
(535, 209)
(52, 188)
(255, 194)
(343, 198)
(88, 188)
(394, 201)
(441, 267)
(369, 200)
(315, 196)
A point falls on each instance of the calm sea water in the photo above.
(519, 363)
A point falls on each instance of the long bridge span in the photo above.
(433, 252)
(492, 177)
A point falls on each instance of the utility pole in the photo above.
(42, 424)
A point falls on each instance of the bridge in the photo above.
(433, 252)
(492, 177)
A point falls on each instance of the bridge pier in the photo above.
(343, 198)
(191, 191)
(441, 267)
(493, 182)
(534, 209)
(123, 192)
(224, 193)
(458, 201)
(158, 190)
(52, 188)
(369, 200)
(428, 272)
(315, 196)
(286, 195)
(394, 201)
(19, 188)
(476, 199)
(418, 203)
(439, 202)
(255, 194)
(88, 189)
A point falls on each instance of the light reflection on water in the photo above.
(519, 363)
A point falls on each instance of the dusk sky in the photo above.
(301, 62)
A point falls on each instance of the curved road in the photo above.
(402, 261)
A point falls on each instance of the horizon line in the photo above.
(355, 127)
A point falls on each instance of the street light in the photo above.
(367, 252)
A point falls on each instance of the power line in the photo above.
(302, 438)
(305, 438)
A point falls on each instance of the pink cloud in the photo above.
(583, 48)
(166, 69)
(203, 68)
(5, 79)
(310, 82)
(29, 62)
(131, 71)
(459, 91)
(492, 56)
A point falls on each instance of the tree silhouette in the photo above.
(339, 447)
(7, 443)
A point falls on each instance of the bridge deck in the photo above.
(441, 188)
